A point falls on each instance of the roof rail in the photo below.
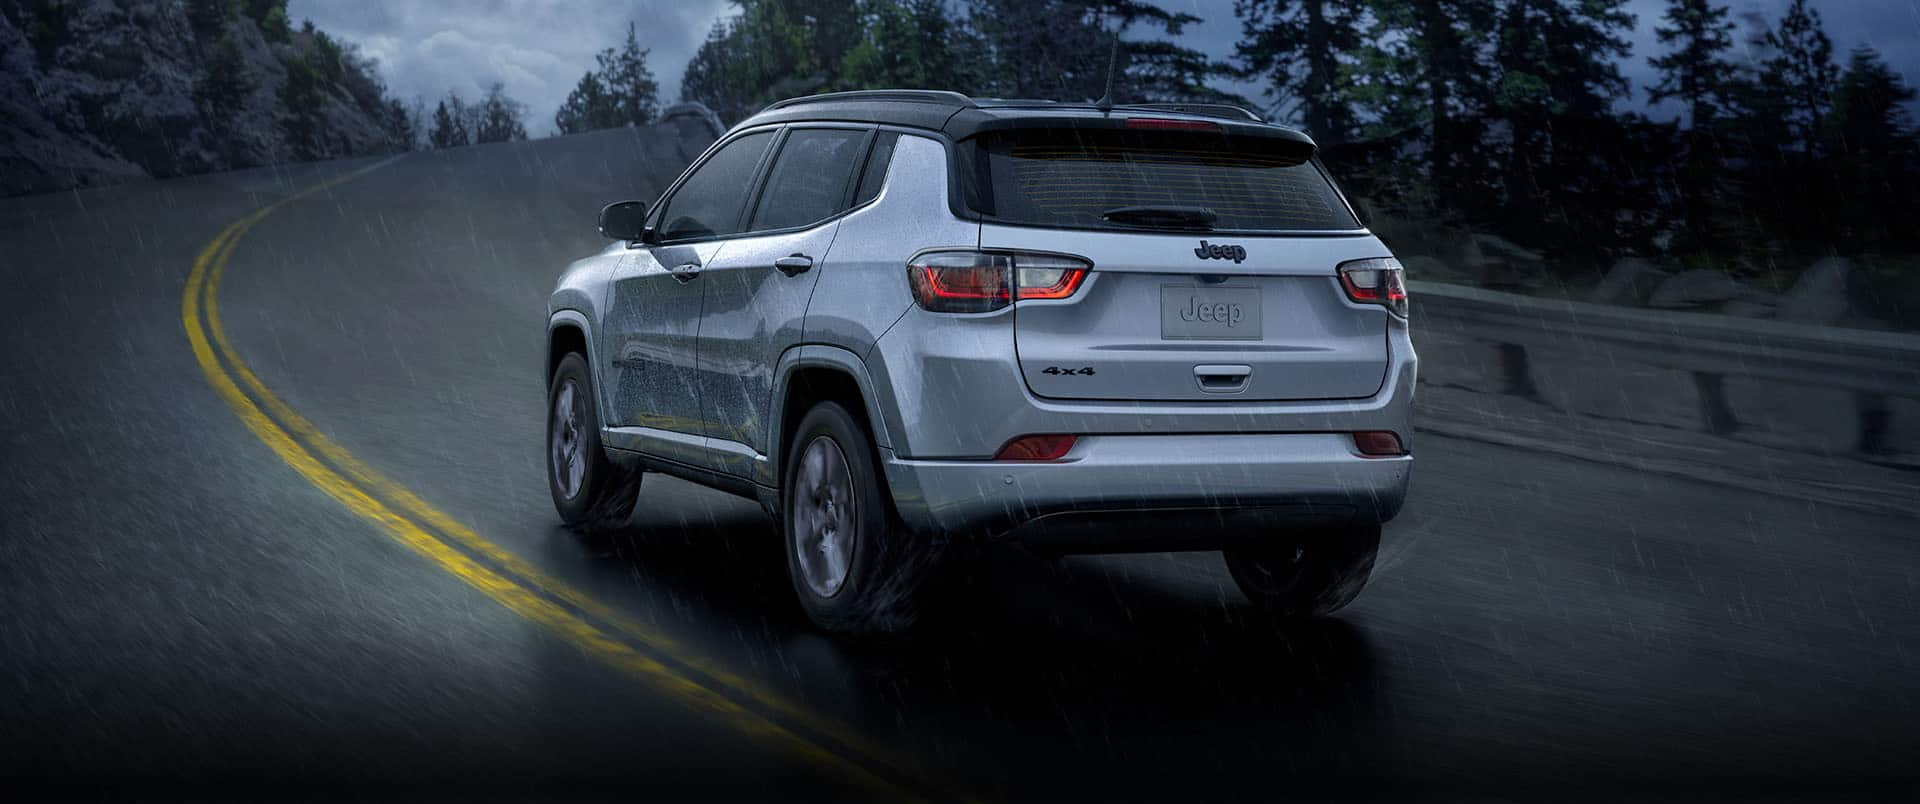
(1225, 111)
(938, 96)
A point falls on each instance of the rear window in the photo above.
(1070, 178)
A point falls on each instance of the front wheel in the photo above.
(1307, 574)
(854, 568)
(591, 492)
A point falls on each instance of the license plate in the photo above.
(1222, 314)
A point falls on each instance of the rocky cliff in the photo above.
(96, 92)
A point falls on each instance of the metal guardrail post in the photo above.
(1517, 371)
(1715, 411)
(1874, 416)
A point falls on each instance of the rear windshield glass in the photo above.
(1072, 178)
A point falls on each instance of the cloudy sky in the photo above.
(539, 48)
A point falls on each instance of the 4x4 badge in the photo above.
(1217, 252)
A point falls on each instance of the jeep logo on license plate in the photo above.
(1217, 313)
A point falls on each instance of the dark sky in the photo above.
(539, 48)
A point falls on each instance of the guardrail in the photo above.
(1873, 365)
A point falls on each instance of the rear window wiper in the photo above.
(1162, 217)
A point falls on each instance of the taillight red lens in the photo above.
(1378, 444)
(1167, 124)
(1036, 448)
(980, 282)
(1376, 281)
(1044, 276)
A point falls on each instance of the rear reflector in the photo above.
(1166, 124)
(1036, 448)
(1378, 444)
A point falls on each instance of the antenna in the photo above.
(1105, 103)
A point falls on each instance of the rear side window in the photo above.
(810, 177)
(709, 202)
(875, 174)
(1072, 178)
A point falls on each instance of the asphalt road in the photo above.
(181, 609)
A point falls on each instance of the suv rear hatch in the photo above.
(1214, 263)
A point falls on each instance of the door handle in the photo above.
(794, 265)
(687, 273)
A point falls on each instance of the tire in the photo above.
(592, 494)
(1309, 574)
(854, 568)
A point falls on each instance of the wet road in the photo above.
(180, 607)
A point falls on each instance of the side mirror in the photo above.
(625, 220)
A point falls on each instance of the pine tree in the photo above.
(209, 18)
(222, 90)
(711, 75)
(271, 16)
(449, 123)
(914, 44)
(753, 59)
(620, 92)
(773, 49)
(1801, 71)
(397, 120)
(1430, 70)
(300, 99)
(1302, 49)
(1558, 74)
(500, 117)
(1162, 70)
(628, 82)
(1696, 74)
(1871, 134)
(1061, 50)
(587, 108)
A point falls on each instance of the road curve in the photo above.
(181, 605)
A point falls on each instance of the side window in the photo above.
(875, 175)
(809, 178)
(708, 203)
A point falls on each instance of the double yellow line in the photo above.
(587, 623)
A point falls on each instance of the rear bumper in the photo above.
(1154, 492)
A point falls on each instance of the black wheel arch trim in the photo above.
(805, 356)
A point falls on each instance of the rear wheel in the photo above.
(1307, 574)
(591, 492)
(854, 568)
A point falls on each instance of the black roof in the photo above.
(959, 116)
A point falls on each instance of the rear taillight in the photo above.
(980, 282)
(1378, 444)
(1380, 281)
(1036, 448)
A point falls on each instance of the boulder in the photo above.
(694, 119)
(1819, 296)
(1758, 306)
(1696, 288)
(1631, 280)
